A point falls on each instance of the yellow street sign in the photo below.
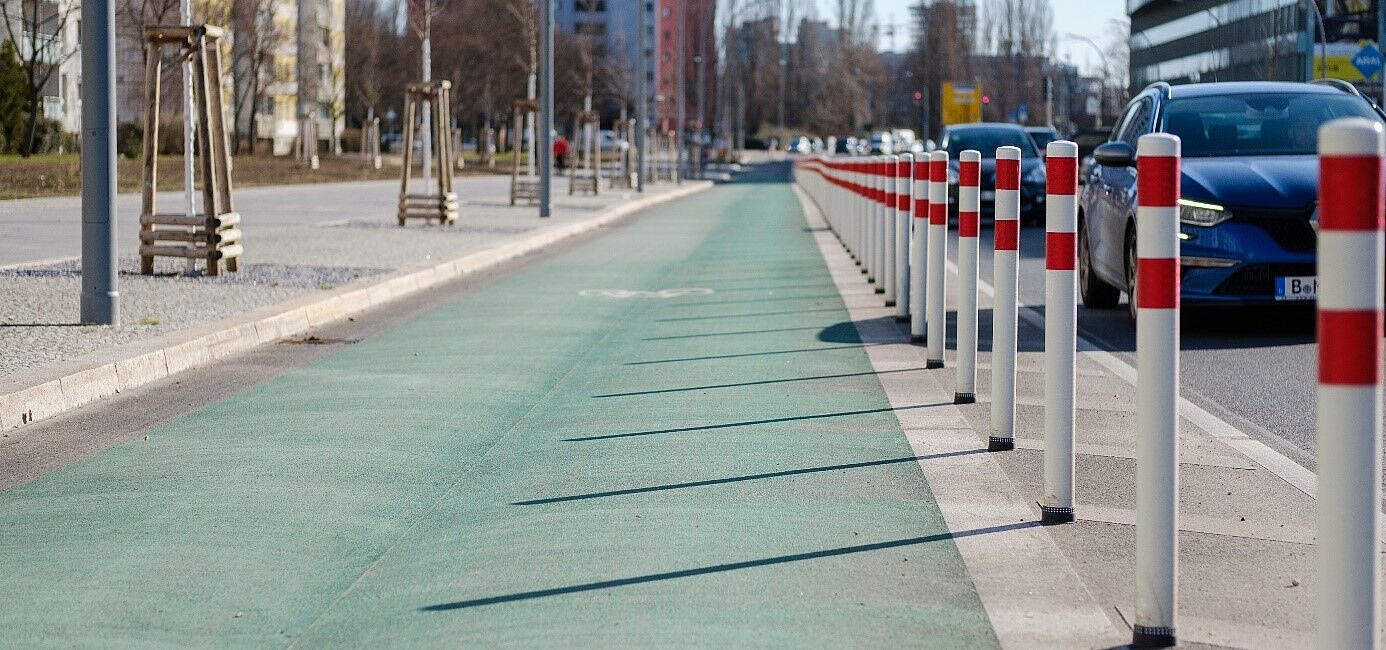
(962, 103)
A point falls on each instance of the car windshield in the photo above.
(1043, 138)
(1257, 124)
(986, 141)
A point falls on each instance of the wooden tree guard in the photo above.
(307, 141)
(526, 187)
(624, 178)
(441, 205)
(589, 182)
(213, 235)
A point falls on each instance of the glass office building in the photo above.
(1185, 41)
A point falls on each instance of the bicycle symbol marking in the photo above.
(622, 294)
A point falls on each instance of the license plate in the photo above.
(1304, 287)
(988, 195)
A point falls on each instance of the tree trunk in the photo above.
(31, 127)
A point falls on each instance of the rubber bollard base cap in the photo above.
(917, 339)
(1051, 516)
(890, 303)
(880, 289)
(933, 365)
(964, 398)
(1001, 444)
(902, 319)
(1152, 637)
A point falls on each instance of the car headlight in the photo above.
(1202, 214)
(1036, 176)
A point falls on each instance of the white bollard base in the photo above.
(964, 398)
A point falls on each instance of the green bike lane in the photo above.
(530, 466)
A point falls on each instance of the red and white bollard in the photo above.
(1157, 377)
(919, 229)
(1005, 267)
(878, 260)
(1060, 329)
(903, 200)
(888, 230)
(873, 246)
(969, 205)
(1351, 155)
(937, 328)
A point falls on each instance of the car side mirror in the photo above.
(1115, 154)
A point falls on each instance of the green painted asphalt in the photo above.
(527, 466)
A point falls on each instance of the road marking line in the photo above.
(1206, 524)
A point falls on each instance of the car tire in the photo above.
(1096, 293)
(1131, 273)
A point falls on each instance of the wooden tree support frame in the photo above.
(306, 145)
(587, 134)
(214, 235)
(522, 187)
(441, 205)
(624, 177)
(370, 143)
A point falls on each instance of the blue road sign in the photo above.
(1022, 112)
(1369, 61)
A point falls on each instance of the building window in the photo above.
(591, 6)
(326, 35)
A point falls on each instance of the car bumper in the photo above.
(1257, 258)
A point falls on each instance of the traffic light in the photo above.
(918, 98)
(986, 99)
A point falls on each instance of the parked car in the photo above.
(1042, 136)
(1249, 190)
(845, 144)
(880, 142)
(985, 138)
(607, 140)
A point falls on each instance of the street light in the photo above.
(1106, 72)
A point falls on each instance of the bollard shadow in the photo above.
(749, 477)
(742, 355)
(786, 312)
(731, 333)
(723, 568)
(762, 382)
(754, 301)
(749, 423)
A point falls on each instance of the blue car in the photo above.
(1249, 191)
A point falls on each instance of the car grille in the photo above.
(1289, 228)
(1259, 279)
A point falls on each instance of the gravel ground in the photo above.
(39, 317)
(342, 233)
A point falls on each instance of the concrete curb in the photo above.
(98, 376)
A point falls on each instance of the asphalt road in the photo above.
(33, 230)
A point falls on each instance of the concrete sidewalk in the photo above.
(1246, 513)
(313, 253)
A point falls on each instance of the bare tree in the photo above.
(1019, 35)
(37, 28)
(366, 28)
(944, 37)
(258, 39)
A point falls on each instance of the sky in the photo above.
(1086, 17)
